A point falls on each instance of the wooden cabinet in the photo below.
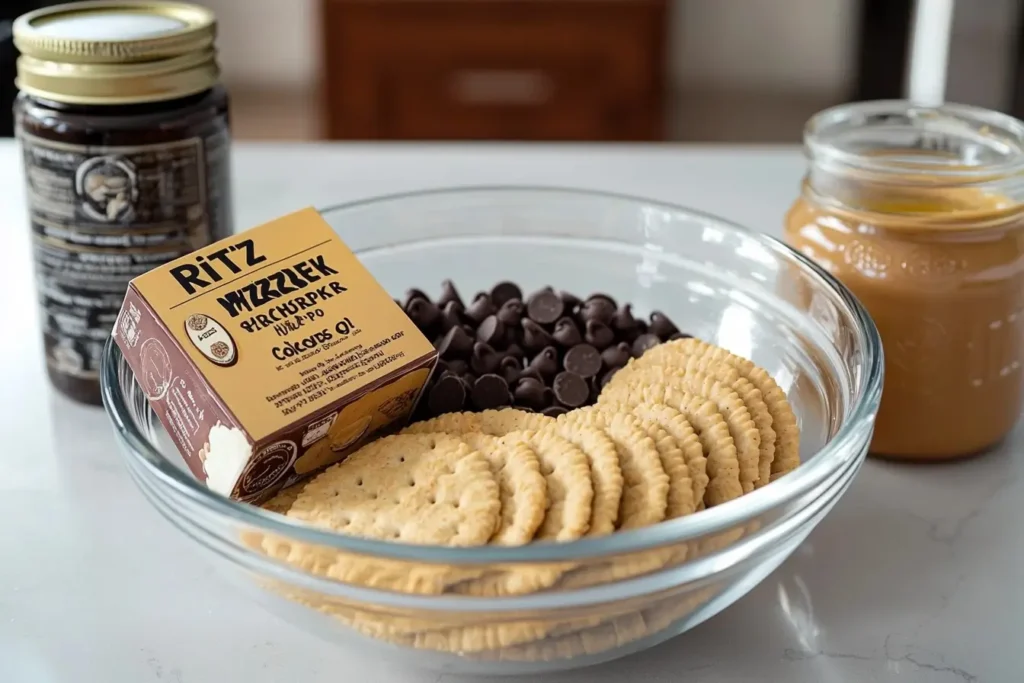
(494, 69)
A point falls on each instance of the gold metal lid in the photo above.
(116, 52)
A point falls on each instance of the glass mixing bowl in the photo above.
(617, 594)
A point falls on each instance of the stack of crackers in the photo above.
(684, 427)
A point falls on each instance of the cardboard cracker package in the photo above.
(271, 354)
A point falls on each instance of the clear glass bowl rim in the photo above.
(848, 441)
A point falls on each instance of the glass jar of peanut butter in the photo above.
(920, 212)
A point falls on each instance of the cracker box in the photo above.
(271, 354)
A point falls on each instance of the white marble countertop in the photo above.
(915, 575)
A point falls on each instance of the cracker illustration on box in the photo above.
(281, 354)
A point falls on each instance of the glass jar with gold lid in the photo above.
(920, 212)
(124, 131)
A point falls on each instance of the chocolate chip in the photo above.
(570, 300)
(599, 335)
(545, 362)
(447, 396)
(544, 307)
(679, 335)
(661, 326)
(413, 294)
(617, 356)
(480, 308)
(566, 333)
(454, 344)
(531, 372)
(643, 343)
(504, 292)
(484, 359)
(449, 295)
(532, 393)
(511, 312)
(510, 368)
(490, 391)
(423, 313)
(607, 377)
(515, 351)
(451, 315)
(491, 331)
(606, 297)
(554, 411)
(513, 335)
(570, 389)
(583, 359)
(599, 308)
(535, 337)
(458, 366)
(623, 320)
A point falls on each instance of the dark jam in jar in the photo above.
(124, 133)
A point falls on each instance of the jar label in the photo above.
(103, 215)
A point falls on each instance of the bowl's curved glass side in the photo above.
(518, 640)
(739, 290)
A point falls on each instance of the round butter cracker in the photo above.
(521, 486)
(494, 422)
(784, 423)
(423, 489)
(744, 432)
(716, 441)
(567, 516)
(645, 484)
(605, 474)
(681, 431)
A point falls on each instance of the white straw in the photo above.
(929, 51)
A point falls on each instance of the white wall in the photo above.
(803, 45)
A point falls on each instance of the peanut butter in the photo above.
(938, 261)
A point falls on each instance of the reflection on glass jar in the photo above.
(919, 212)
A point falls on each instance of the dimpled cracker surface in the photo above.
(716, 442)
(493, 422)
(645, 483)
(282, 501)
(422, 489)
(521, 486)
(744, 432)
(784, 423)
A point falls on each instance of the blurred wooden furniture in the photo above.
(494, 69)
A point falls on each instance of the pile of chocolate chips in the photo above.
(550, 352)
